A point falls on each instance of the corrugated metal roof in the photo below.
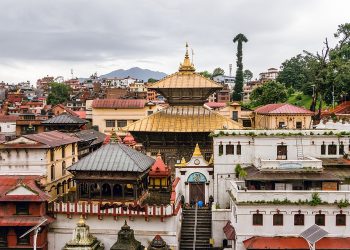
(114, 157)
(282, 108)
(64, 118)
(52, 138)
(90, 134)
(183, 119)
(119, 103)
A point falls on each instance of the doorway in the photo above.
(197, 192)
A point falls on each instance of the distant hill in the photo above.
(138, 73)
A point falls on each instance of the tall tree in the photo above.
(247, 75)
(59, 93)
(206, 74)
(269, 92)
(218, 72)
(240, 39)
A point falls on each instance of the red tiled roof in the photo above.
(81, 114)
(8, 118)
(159, 168)
(24, 221)
(282, 108)
(119, 103)
(215, 104)
(52, 138)
(299, 243)
(68, 110)
(11, 182)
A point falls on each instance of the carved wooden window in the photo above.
(320, 219)
(332, 149)
(278, 219)
(340, 220)
(257, 219)
(221, 149)
(230, 149)
(299, 219)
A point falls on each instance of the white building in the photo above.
(8, 124)
(287, 182)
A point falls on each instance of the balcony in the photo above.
(240, 194)
(307, 163)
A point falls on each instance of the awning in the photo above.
(26, 221)
(291, 243)
(229, 231)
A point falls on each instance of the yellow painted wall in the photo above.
(272, 121)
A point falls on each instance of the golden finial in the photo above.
(186, 66)
(182, 163)
(197, 151)
(81, 221)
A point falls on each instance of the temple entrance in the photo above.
(197, 187)
(197, 192)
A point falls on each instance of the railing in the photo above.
(307, 162)
(195, 227)
(291, 195)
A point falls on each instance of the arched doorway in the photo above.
(196, 183)
(106, 191)
(117, 191)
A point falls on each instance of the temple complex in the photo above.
(175, 130)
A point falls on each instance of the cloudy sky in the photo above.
(44, 37)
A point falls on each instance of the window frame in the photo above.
(110, 123)
(230, 149)
(239, 149)
(299, 123)
(22, 208)
(24, 240)
(343, 216)
(258, 219)
(52, 172)
(332, 149)
(299, 221)
(221, 149)
(323, 149)
(322, 216)
(277, 220)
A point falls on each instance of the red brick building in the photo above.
(22, 206)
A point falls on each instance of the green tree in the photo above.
(269, 92)
(58, 93)
(247, 75)
(206, 74)
(152, 80)
(218, 72)
(240, 38)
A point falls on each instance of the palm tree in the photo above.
(240, 38)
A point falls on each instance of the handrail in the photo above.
(195, 227)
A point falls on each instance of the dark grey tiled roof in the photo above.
(114, 157)
(64, 118)
(89, 135)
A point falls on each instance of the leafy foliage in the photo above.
(218, 72)
(59, 93)
(247, 75)
(270, 92)
(152, 80)
(315, 200)
(206, 74)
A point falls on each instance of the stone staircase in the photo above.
(203, 228)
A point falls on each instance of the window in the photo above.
(239, 149)
(281, 152)
(341, 148)
(221, 149)
(63, 151)
(110, 123)
(24, 240)
(323, 149)
(340, 220)
(63, 168)
(278, 219)
(299, 220)
(121, 123)
(247, 123)
(257, 219)
(52, 172)
(299, 125)
(22, 208)
(235, 115)
(230, 149)
(281, 125)
(332, 149)
(52, 154)
(3, 237)
(320, 219)
(73, 148)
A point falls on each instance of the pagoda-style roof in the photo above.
(186, 87)
(126, 240)
(159, 169)
(114, 157)
(282, 109)
(185, 119)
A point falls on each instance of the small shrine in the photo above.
(129, 140)
(82, 239)
(158, 244)
(159, 175)
(196, 177)
(126, 240)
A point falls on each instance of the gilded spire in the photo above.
(182, 163)
(186, 66)
(197, 151)
(81, 221)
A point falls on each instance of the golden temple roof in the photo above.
(186, 66)
(183, 119)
